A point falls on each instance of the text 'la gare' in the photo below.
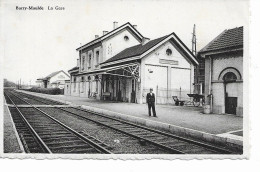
(56, 8)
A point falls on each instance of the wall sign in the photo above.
(171, 62)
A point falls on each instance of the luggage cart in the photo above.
(197, 100)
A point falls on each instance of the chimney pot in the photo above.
(115, 24)
(96, 36)
(105, 32)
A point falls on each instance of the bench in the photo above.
(106, 94)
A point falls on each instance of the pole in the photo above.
(194, 49)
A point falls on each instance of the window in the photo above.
(89, 61)
(74, 84)
(230, 76)
(126, 38)
(169, 52)
(83, 63)
(82, 84)
(97, 58)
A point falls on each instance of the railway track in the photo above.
(172, 143)
(41, 133)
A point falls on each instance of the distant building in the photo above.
(122, 65)
(223, 58)
(53, 80)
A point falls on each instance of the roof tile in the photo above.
(227, 39)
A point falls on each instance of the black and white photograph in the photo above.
(125, 79)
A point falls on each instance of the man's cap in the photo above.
(151, 88)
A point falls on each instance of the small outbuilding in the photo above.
(224, 73)
(53, 80)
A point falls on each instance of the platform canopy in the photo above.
(131, 70)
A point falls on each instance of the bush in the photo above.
(53, 91)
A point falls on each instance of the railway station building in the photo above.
(223, 63)
(122, 65)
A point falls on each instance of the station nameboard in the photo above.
(166, 61)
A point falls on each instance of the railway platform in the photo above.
(11, 142)
(188, 121)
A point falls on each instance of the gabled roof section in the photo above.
(140, 49)
(99, 39)
(135, 50)
(231, 38)
(52, 74)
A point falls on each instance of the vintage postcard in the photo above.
(124, 79)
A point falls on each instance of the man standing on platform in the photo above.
(150, 99)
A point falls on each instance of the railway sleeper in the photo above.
(55, 136)
(60, 147)
(64, 142)
(51, 132)
(49, 139)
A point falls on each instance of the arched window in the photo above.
(229, 77)
(230, 74)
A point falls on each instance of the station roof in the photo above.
(52, 74)
(231, 38)
(135, 50)
(140, 49)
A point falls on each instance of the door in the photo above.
(133, 93)
(231, 105)
(118, 90)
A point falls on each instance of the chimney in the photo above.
(135, 26)
(115, 24)
(105, 32)
(145, 40)
(96, 36)
(77, 62)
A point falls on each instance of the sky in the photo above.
(37, 43)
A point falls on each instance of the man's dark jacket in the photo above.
(150, 98)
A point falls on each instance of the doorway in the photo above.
(231, 93)
(231, 105)
(133, 93)
(118, 90)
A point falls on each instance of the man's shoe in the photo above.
(155, 116)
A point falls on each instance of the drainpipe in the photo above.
(210, 82)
